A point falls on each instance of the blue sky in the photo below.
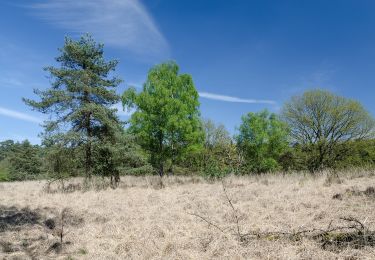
(243, 55)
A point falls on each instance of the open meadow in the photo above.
(134, 129)
(293, 216)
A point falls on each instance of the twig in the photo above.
(240, 236)
(360, 235)
(207, 221)
(356, 221)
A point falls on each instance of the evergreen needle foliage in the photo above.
(83, 133)
(80, 99)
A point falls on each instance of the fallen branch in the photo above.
(240, 236)
(354, 233)
(208, 222)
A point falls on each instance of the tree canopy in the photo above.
(81, 98)
(262, 138)
(320, 120)
(166, 119)
(83, 134)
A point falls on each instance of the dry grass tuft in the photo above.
(150, 218)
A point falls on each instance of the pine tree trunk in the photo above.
(88, 148)
(88, 155)
(88, 160)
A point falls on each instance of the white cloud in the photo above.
(19, 115)
(10, 82)
(234, 99)
(119, 23)
(20, 68)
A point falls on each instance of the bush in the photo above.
(214, 170)
(262, 139)
(25, 162)
(4, 175)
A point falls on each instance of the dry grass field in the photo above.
(189, 218)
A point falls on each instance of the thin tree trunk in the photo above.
(161, 169)
(88, 148)
(322, 153)
(161, 158)
(88, 156)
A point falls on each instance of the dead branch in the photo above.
(240, 236)
(359, 226)
(210, 223)
(354, 233)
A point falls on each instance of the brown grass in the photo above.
(142, 220)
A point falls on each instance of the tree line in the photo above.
(83, 136)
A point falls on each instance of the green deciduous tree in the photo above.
(262, 139)
(357, 153)
(166, 120)
(81, 98)
(320, 121)
(219, 155)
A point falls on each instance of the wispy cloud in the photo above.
(19, 115)
(135, 84)
(120, 23)
(20, 67)
(121, 111)
(10, 82)
(322, 76)
(234, 99)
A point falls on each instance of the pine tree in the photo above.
(80, 99)
(25, 161)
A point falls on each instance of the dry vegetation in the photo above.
(190, 218)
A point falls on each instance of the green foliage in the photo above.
(4, 173)
(293, 159)
(80, 100)
(321, 121)
(217, 158)
(166, 120)
(134, 159)
(60, 161)
(84, 134)
(24, 161)
(20, 161)
(262, 139)
(123, 156)
(5, 148)
(213, 170)
(359, 153)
